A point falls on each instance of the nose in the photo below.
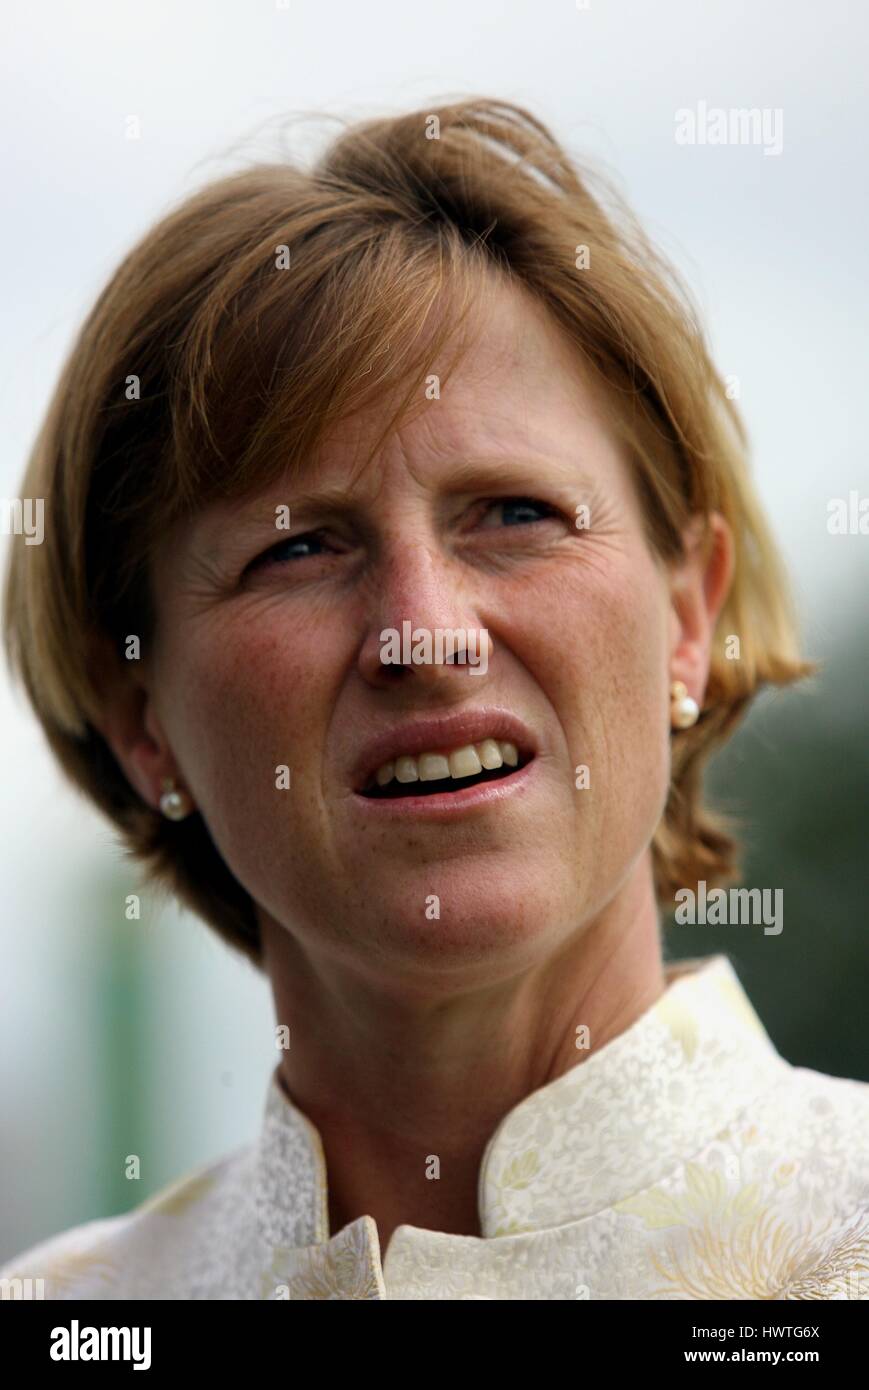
(423, 620)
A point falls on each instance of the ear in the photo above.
(699, 584)
(128, 721)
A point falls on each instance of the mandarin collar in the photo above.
(616, 1122)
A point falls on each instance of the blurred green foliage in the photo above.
(795, 779)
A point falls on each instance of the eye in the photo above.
(517, 509)
(293, 548)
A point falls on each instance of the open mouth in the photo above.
(394, 789)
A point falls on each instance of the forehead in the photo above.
(518, 396)
(520, 386)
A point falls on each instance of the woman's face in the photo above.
(282, 667)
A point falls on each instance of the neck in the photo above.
(406, 1089)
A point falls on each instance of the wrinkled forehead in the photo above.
(510, 387)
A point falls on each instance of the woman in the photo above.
(398, 535)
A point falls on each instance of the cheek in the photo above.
(600, 631)
(247, 699)
(600, 658)
(630, 714)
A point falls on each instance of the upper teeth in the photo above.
(462, 762)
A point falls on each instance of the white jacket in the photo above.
(684, 1160)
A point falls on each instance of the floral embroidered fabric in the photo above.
(684, 1160)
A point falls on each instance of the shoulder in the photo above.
(803, 1160)
(823, 1123)
(156, 1250)
(812, 1166)
(774, 1206)
(63, 1265)
(835, 1105)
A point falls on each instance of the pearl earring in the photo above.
(174, 804)
(683, 710)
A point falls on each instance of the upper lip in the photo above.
(451, 731)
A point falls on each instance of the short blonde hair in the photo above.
(243, 368)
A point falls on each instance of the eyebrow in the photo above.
(466, 475)
(477, 472)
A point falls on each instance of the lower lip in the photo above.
(443, 805)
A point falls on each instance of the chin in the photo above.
(477, 924)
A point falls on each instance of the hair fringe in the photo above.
(392, 235)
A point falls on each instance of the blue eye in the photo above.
(280, 553)
(518, 511)
(522, 504)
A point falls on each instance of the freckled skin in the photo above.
(547, 913)
(289, 673)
